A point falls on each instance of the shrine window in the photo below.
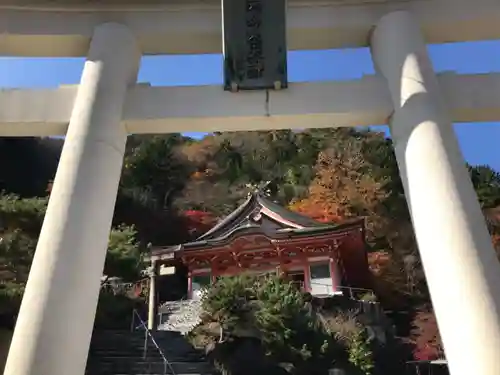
(202, 280)
(320, 271)
(321, 282)
(199, 285)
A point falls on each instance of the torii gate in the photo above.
(54, 326)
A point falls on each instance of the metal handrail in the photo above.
(340, 288)
(121, 287)
(166, 363)
(351, 290)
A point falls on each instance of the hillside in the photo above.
(174, 188)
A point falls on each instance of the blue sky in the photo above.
(479, 141)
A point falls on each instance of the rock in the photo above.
(180, 316)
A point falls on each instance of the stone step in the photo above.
(143, 373)
(124, 339)
(109, 333)
(136, 346)
(132, 357)
(184, 365)
(149, 366)
(121, 353)
(131, 342)
(140, 346)
(122, 348)
(149, 349)
(138, 338)
(121, 359)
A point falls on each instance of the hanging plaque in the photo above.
(254, 43)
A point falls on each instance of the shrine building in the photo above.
(262, 237)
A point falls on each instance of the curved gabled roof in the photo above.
(243, 211)
(252, 215)
(257, 204)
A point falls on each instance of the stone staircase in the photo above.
(179, 316)
(122, 353)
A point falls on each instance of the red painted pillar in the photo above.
(334, 275)
(214, 273)
(280, 270)
(307, 276)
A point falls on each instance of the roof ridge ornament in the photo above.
(264, 189)
(256, 215)
(259, 189)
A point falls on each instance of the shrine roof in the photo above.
(260, 215)
(256, 204)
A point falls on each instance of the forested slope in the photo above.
(174, 188)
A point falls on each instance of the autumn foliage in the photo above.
(340, 190)
(314, 208)
(199, 222)
(174, 189)
(425, 336)
(349, 182)
(387, 279)
(496, 242)
(493, 219)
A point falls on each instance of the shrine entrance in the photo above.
(297, 278)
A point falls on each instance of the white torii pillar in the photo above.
(460, 265)
(55, 323)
